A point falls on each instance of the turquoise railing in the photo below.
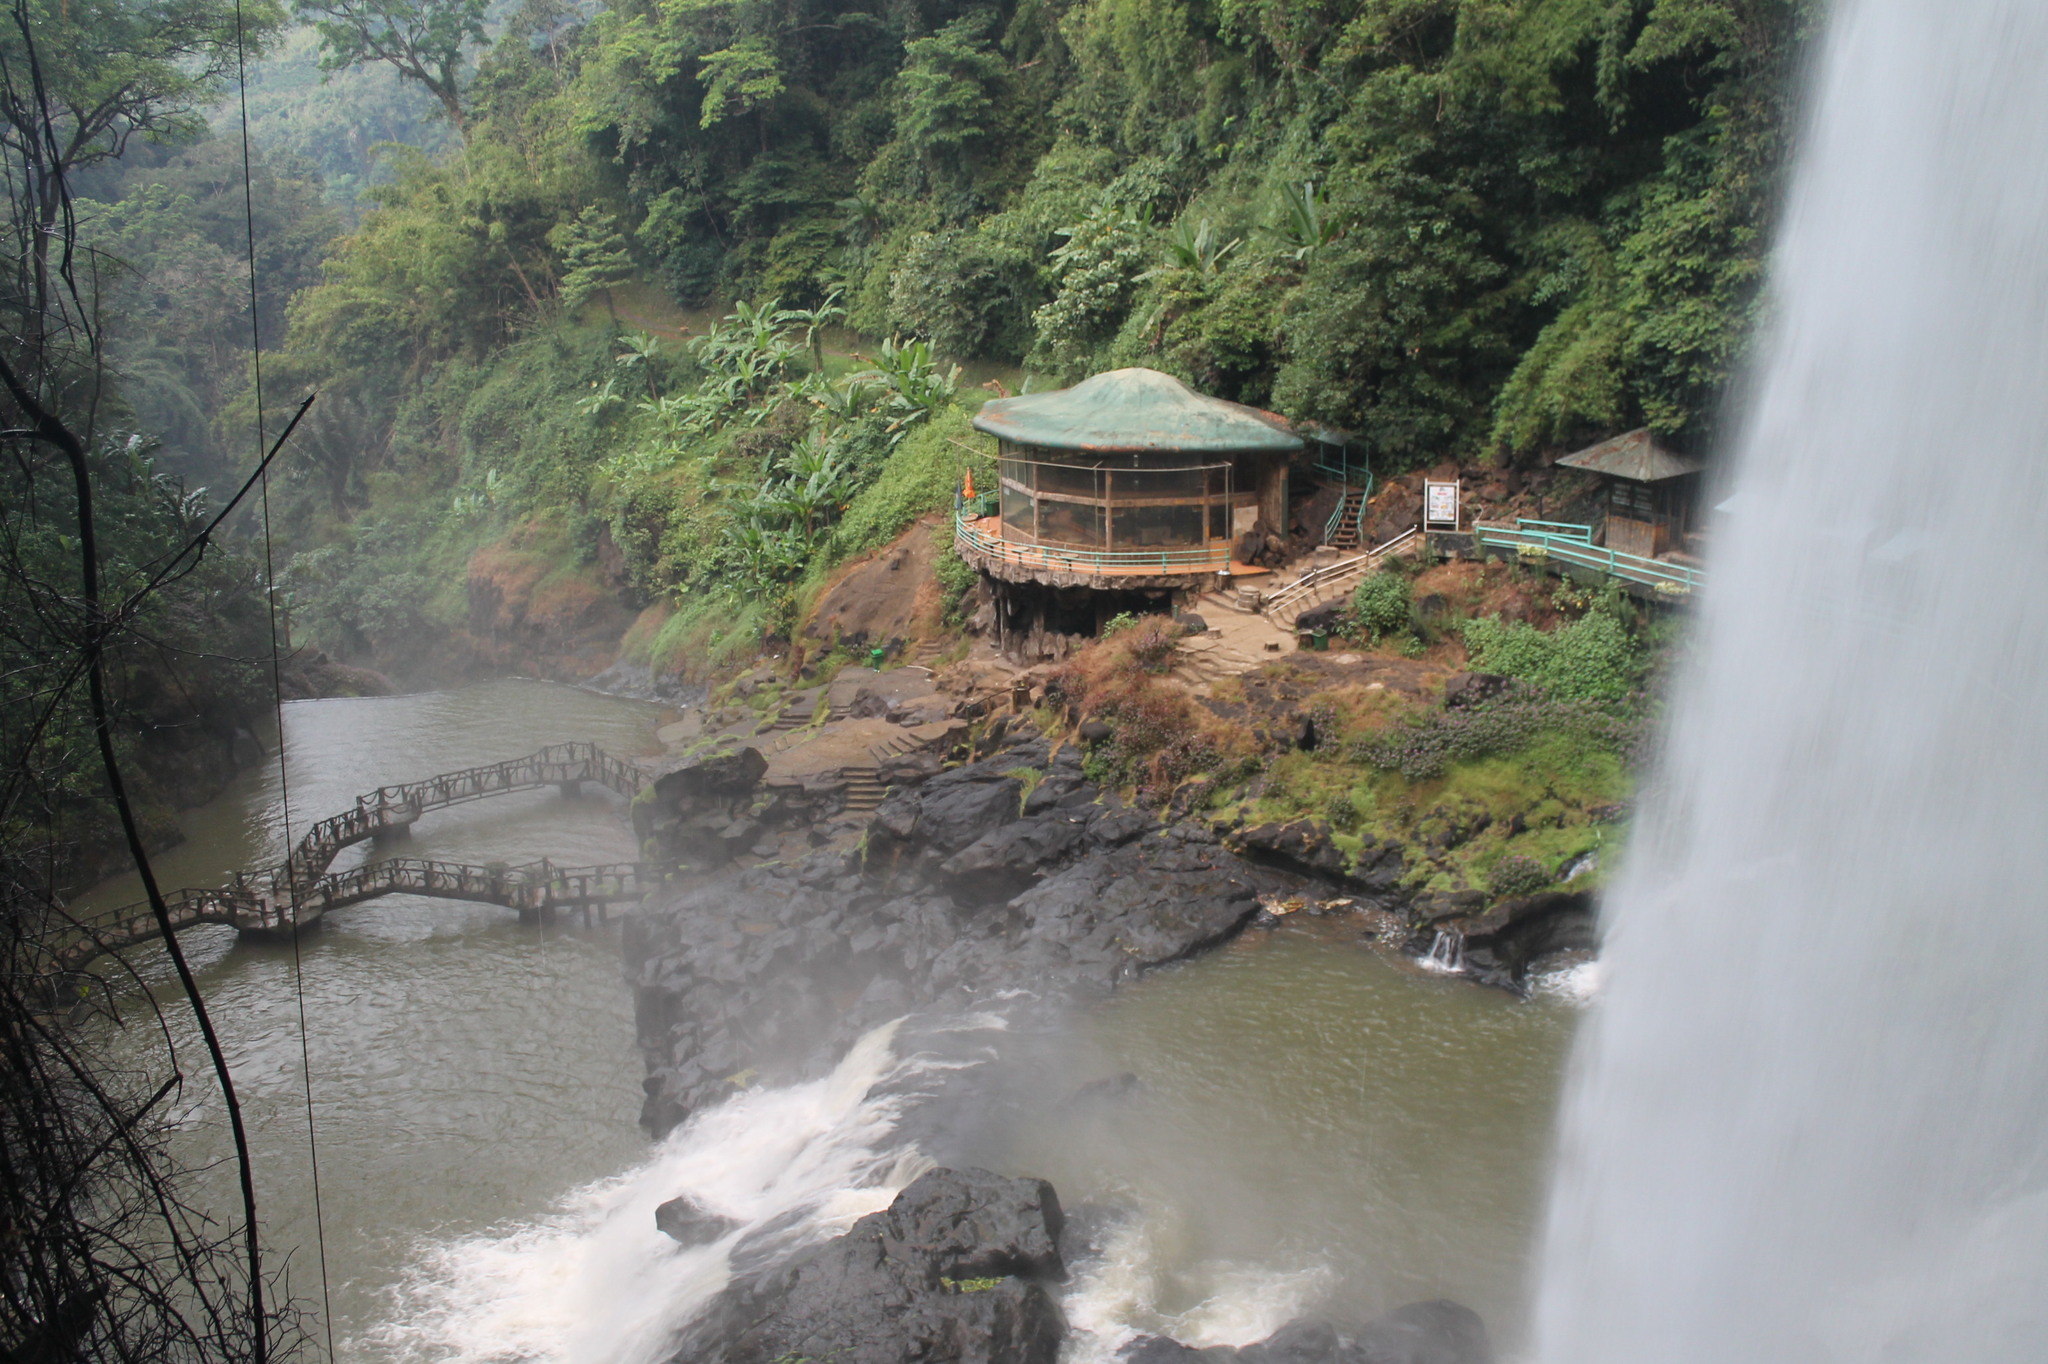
(1191, 559)
(1569, 543)
(1348, 478)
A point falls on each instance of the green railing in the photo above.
(1029, 554)
(1348, 477)
(1570, 543)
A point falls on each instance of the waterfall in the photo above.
(1804, 1124)
(1446, 952)
(596, 1283)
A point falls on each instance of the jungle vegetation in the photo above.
(1460, 229)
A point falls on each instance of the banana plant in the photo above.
(1304, 219)
(1199, 248)
(814, 321)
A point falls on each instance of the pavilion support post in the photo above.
(1273, 495)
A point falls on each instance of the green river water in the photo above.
(1311, 1124)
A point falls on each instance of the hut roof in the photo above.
(1133, 410)
(1636, 455)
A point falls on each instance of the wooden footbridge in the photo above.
(298, 893)
(389, 809)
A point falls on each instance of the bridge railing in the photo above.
(300, 888)
(1572, 544)
(406, 801)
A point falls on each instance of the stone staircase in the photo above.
(796, 712)
(864, 789)
(895, 746)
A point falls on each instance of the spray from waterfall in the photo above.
(597, 1283)
(1803, 1125)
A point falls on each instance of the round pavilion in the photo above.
(1129, 479)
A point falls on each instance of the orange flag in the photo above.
(969, 494)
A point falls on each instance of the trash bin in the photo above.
(875, 657)
(1319, 640)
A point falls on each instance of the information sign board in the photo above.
(1440, 506)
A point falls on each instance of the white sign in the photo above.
(1440, 506)
(1242, 520)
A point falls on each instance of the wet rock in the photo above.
(1501, 944)
(1307, 846)
(1016, 854)
(1108, 1089)
(684, 1220)
(1467, 689)
(956, 1268)
(723, 771)
(1439, 1332)
(1191, 624)
(954, 815)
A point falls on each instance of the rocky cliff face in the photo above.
(809, 923)
(960, 885)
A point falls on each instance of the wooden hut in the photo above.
(1651, 491)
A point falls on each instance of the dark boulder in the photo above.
(1469, 689)
(1108, 1089)
(1303, 845)
(954, 1270)
(715, 772)
(1327, 616)
(683, 1219)
(1191, 624)
(1116, 913)
(953, 816)
(1095, 731)
(1437, 1332)
(1007, 859)
(1514, 933)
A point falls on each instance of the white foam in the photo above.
(1118, 1298)
(595, 1282)
(1578, 983)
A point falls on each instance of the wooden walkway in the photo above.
(389, 808)
(299, 892)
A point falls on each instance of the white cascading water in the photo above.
(596, 1283)
(1809, 1119)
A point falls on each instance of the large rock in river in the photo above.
(956, 1269)
(1439, 1332)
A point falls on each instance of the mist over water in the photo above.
(1806, 1121)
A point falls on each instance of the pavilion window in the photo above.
(1020, 513)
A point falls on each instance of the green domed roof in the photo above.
(1134, 410)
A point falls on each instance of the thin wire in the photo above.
(284, 788)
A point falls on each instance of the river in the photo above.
(1306, 1124)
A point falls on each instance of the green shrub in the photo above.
(919, 476)
(1384, 604)
(1592, 659)
(1515, 874)
(956, 579)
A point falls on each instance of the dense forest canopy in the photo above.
(1470, 230)
(1459, 229)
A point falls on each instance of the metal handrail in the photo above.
(1342, 473)
(1568, 548)
(1032, 554)
(1328, 573)
(1564, 530)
